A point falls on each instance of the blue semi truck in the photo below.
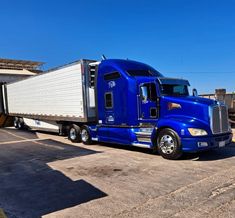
(122, 102)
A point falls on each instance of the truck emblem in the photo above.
(112, 84)
(110, 118)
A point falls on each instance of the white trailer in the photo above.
(64, 94)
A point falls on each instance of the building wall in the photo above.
(11, 78)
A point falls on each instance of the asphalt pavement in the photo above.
(44, 175)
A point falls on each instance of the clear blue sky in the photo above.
(180, 38)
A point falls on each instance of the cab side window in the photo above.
(108, 97)
(112, 76)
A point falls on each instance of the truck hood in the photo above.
(190, 108)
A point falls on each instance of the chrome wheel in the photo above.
(85, 135)
(72, 134)
(167, 144)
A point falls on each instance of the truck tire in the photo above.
(86, 135)
(169, 145)
(74, 133)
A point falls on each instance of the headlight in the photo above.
(197, 132)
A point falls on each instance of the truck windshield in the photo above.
(174, 90)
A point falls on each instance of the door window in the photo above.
(148, 92)
(148, 102)
(108, 100)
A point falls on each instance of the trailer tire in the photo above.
(21, 124)
(169, 144)
(16, 122)
(74, 134)
(86, 135)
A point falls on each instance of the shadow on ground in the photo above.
(30, 188)
(215, 154)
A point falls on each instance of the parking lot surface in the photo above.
(44, 175)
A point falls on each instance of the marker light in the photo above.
(172, 106)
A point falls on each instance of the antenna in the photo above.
(103, 57)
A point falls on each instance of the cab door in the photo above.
(148, 102)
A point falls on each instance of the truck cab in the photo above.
(137, 106)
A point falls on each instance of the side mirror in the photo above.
(195, 92)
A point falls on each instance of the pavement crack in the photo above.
(221, 190)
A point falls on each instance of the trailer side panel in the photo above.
(58, 93)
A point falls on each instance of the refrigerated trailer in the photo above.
(119, 101)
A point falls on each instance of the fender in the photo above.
(180, 125)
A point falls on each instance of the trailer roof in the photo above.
(19, 64)
(70, 64)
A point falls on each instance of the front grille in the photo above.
(224, 118)
(219, 119)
